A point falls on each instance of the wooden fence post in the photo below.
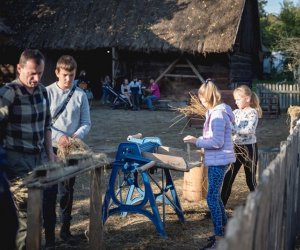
(34, 219)
(95, 228)
(264, 158)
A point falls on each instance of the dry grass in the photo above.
(75, 146)
(293, 115)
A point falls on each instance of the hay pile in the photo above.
(79, 150)
(75, 146)
(294, 115)
(294, 111)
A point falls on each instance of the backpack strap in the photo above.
(54, 118)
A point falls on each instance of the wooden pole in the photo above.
(264, 159)
(113, 58)
(95, 228)
(34, 219)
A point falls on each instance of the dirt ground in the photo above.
(109, 129)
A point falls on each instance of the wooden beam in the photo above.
(95, 227)
(167, 70)
(195, 71)
(113, 57)
(181, 76)
(34, 219)
(182, 66)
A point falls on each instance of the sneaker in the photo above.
(210, 245)
(66, 235)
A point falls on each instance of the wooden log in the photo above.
(95, 227)
(34, 219)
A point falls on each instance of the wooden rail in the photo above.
(288, 94)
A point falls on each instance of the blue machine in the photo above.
(130, 178)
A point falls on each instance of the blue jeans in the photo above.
(215, 180)
(149, 99)
(105, 95)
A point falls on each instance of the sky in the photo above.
(273, 6)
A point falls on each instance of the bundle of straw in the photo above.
(294, 111)
(294, 115)
(75, 146)
(195, 108)
(19, 190)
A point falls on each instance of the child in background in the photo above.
(246, 119)
(125, 91)
(218, 152)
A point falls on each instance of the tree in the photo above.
(274, 28)
(290, 47)
(282, 32)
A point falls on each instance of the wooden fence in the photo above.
(289, 94)
(269, 219)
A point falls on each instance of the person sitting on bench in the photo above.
(154, 94)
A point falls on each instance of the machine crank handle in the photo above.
(146, 166)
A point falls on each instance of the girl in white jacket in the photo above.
(246, 119)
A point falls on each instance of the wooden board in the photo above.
(175, 161)
(193, 156)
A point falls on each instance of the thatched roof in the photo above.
(144, 25)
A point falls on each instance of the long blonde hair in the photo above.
(210, 93)
(244, 90)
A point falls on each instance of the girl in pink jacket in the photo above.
(218, 152)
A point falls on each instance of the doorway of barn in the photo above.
(97, 64)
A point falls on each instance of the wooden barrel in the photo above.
(195, 184)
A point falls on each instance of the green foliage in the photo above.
(282, 33)
(261, 7)
(290, 20)
(286, 24)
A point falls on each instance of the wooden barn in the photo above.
(179, 42)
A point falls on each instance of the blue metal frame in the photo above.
(128, 159)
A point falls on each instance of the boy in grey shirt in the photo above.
(73, 122)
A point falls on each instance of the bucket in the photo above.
(195, 184)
